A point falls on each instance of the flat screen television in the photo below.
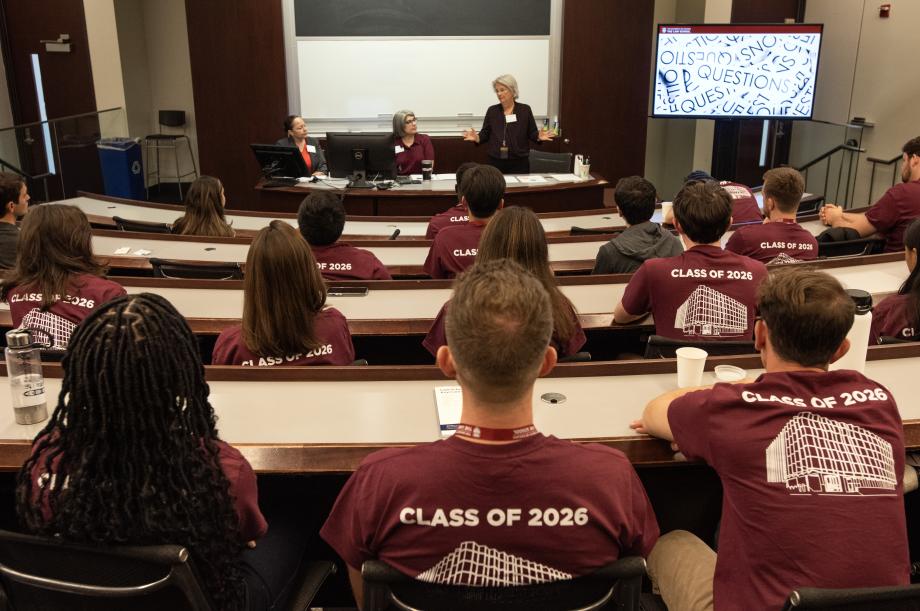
(362, 157)
(736, 71)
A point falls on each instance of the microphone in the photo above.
(395, 234)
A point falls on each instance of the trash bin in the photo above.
(122, 167)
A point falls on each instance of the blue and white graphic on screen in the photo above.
(741, 74)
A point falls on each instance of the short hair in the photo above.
(321, 218)
(498, 326)
(808, 315)
(508, 81)
(785, 186)
(289, 122)
(912, 147)
(399, 122)
(703, 210)
(698, 175)
(483, 187)
(10, 187)
(466, 165)
(635, 198)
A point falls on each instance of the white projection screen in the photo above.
(736, 71)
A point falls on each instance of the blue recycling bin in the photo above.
(122, 167)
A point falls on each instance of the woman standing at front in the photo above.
(509, 128)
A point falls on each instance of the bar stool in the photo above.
(158, 141)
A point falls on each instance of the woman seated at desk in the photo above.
(309, 148)
(204, 210)
(411, 147)
(898, 315)
(284, 320)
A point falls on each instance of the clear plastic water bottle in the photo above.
(855, 358)
(24, 370)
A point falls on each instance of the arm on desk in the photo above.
(834, 216)
(357, 586)
(621, 316)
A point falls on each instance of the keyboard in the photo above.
(279, 182)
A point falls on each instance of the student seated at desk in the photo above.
(744, 205)
(455, 215)
(899, 315)
(454, 248)
(14, 196)
(704, 293)
(204, 210)
(131, 455)
(635, 198)
(779, 239)
(420, 508)
(516, 233)
(811, 464)
(321, 219)
(285, 321)
(56, 282)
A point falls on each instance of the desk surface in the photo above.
(327, 419)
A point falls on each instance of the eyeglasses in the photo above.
(411, 121)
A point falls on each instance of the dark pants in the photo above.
(517, 165)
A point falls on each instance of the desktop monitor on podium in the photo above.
(280, 164)
(362, 157)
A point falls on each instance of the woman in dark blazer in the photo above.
(313, 156)
(509, 128)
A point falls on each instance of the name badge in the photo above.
(398, 149)
(311, 148)
(512, 118)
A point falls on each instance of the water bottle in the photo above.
(24, 370)
(855, 358)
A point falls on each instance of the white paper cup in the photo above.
(665, 208)
(690, 365)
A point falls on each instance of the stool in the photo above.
(158, 141)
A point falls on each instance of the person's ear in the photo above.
(760, 335)
(501, 204)
(549, 361)
(465, 203)
(445, 362)
(842, 349)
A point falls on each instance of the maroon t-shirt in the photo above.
(330, 328)
(455, 215)
(493, 515)
(893, 317)
(437, 336)
(891, 214)
(339, 261)
(237, 470)
(704, 293)
(766, 241)
(454, 249)
(85, 293)
(811, 466)
(409, 159)
(744, 204)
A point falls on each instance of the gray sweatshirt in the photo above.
(626, 252)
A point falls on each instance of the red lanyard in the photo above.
(481, 432)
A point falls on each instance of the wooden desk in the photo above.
(326, 419)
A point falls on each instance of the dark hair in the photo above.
(698, 176)
(289, 122)
(635, 198)
(911, 286)
(460, 172)
(703, 210)
(321, 218)
(912, 147)
(134, 438)
(785, 186)
(516, 233)
(483, 187)
(10, 187)
(282, 293)
(204, 210)
(55, 244)
(808, 315)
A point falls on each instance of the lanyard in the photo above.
(481, 432)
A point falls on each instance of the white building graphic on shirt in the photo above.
(472, 564)
(711, 313)
(782, 259)
(814, 454)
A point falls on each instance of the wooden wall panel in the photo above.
(237, 54)
(606, 63)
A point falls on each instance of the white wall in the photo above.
(106, 65)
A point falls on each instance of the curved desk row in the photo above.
(326, 419)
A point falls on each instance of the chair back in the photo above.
(893, 598)
(124, 224)
(550, 163)
(172, 118)
(659, 347)
(578, 357)
(165, 268)
(41, 573)
(619, 583)
(575, 230)
(849, 248)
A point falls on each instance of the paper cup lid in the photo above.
(729, 373)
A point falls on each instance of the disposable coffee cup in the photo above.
(690, 365)
(666, 207)
(427, 165)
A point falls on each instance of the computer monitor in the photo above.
(280, 162)
(360, 156)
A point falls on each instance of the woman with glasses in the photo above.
(411, 147)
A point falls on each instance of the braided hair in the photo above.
(132, 446)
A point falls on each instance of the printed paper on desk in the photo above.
(140, 252)
(415, 176)
(123, 250)
(566, 177)
(449, 400)
(531, 179)
(510, 179)
(443, 177)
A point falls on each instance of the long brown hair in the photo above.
(55, 244)
(516, 233)
(282, 293)
(204, 211)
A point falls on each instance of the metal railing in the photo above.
(875, 161)
(849, 156)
